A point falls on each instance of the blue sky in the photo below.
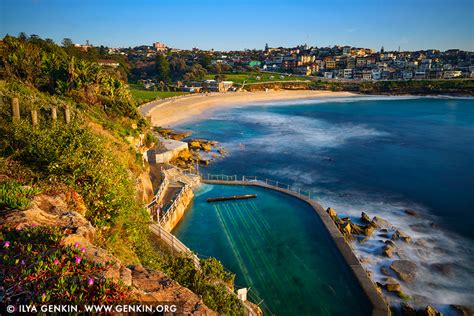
(238, 24)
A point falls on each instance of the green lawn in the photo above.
(141, 95)
(251, 77)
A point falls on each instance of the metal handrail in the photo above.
(173, 206)
(267, 182)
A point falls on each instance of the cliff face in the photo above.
(64, 210)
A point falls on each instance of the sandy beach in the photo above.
(172, 111)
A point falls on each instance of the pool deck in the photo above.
(379, 306)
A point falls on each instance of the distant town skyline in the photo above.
(410, 25)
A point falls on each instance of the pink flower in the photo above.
(22, 262)
(76, 244)
(78, 260)
(56, 261)
(83, 250)
(90, 281)
(6, 244)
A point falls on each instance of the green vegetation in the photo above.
(37, 269)
(140, 95)
(251, 77)
(90, 156)
(212, 281)
(13, 195)
(419, 87)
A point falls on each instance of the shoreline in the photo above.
(172, 111)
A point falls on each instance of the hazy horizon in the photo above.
(410, 25)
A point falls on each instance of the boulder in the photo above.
(368, 230)
(442, 268)
(429, 311)
(388, 251)
(464, 310)
(365, 218)
(385, 271)
(380, 222)
(346, 228)
(357, 229)
(401, 235)
(393, 287)
(411, 212)
(332, 213)
(405, 269)
(407, 310)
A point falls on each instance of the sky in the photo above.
(244, 24)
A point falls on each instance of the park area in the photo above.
(141, 95)
(256, 77)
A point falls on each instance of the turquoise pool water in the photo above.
(277, 246)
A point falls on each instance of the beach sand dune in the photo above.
(173, 111)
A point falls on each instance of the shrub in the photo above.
(13, 195)
(38, 269)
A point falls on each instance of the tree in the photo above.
(205, 60)
(177, 67)
(197, 72)
(162, 67)
(67, 42)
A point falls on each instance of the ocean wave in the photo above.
(289, 132)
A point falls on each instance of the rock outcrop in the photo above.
(405, 269)
(148, 285)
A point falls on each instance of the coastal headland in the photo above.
(172, 111)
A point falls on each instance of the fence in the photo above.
(167, 213)
(174, 243)
(155, 202)
(254, 179)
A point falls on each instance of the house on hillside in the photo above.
(108, 63)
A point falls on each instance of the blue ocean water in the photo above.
(379, 155)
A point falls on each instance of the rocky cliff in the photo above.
(64, 210)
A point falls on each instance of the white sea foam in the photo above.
(287, 132)
(431, 245)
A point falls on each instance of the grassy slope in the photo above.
(140, 95)
(251, 77)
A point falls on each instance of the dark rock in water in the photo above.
(407, 310)
(380, 222)
(368, 230)
(411, 212)
(365, 218)
(405, 269)
(384, 230)
(358, 229)
(464, 310)
(429, 311)
(420, 227)
(390, 242)
(332, 213)
(385, 271)
(392, 287)
(443, 268)
(401, 235)
(388, 251)
(384, 235)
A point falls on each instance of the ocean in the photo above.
(380, 155)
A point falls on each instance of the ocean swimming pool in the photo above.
(277, 245)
